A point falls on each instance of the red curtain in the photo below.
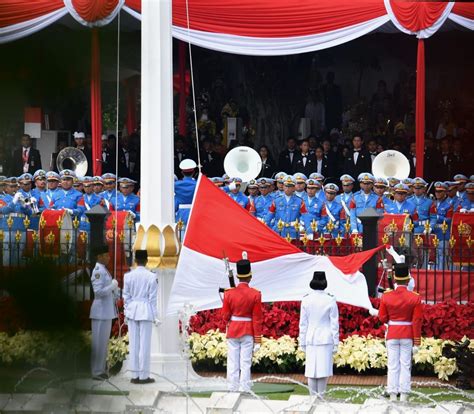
(17, 11)
(92, 11)
(275, 18)
(415, 15)
(420, 108)
(96, 105)
(182, 88)
(464, 10)
(134, 4)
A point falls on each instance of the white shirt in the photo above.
(27, 155)
(319, 319)
(140, 290)
(320, 166)
(356, 156)
(103, 306)
(292, 153)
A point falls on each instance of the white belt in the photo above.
(17, 215)
(399, 323)
(185, 205)
(240, 319)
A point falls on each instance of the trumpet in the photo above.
(29, 202)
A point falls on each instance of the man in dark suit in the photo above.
(305, 161)
(287, 158)
(108, 154)
(180, 154)
(212, 164)
(80, 143)
(445, 161)
(330, 162)
(25, 158)
(358, 160)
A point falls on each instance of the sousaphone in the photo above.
(73, 159)
(391, 163)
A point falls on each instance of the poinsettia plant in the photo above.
(446, 320)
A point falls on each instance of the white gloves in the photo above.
(256, 347)
(16, 197)
(396, 257)
(232, 186)
(114, 283)
(69, 211)
(33, 199)
(157, 322)
(415, 350)
(132, 214)
(374, 312)
(355, 232)
(463, 210)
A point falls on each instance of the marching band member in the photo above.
(422, 206)
(345, 198)
(90, 199)
(98, 185)
(443, 211)
(252, 188)
(287, 208)
(68, 198)
(300, 179)
(109, 193)
(400, 204)
(462, 180)
(39, 192)
(467, 205)
(265, 199)
(331, 211)
(319, 178)
(313, 206)
(242, 312)
(184, 190)
(52, 190)
(366, 198)
(319, 334)
(380, 188)
(402, 311)
(279, 177)
(236, 195)
(126, 200)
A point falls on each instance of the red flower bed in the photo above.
(446, 320)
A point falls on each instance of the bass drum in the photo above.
(55, 233)
(120, 227)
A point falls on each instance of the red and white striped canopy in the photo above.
(251, 27)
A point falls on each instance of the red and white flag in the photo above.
(280, 270)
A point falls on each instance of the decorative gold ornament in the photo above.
(393, 226)
(75, 223)
(130, 221)
(444, 227)
(288, 237)
(280, 225)
(42, 222)
(402, 240)
(67, 237)
(114, 223)
(83, 236)
(385, 239)
(18, 236)
(2, 236)
(452, 242)
(121, 237)
(435, 241)
(180, 225)
(347, 226)
(418, 240)
(469, 242)
(330, 226)
(464, 230)
(427, 227)
(321, 240)
(10, 222)
(59, 223)
(49, 239)
(35, 236)
(314, 225)
(304, 238)
(26, 222)
(410, 226)
(339, 239)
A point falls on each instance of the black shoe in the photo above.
(147, 381)
(135, 381)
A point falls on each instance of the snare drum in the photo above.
(55, 233)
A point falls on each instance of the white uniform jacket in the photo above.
(103, 306)
(319, 320)
(140, 290)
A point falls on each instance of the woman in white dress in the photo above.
(319, 333)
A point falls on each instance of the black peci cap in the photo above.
(319, 281)
(141, 255)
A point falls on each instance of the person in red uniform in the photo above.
(242, 312)
(402, 310)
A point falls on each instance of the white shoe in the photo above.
(403, 397)
(393, 397)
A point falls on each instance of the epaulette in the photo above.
(388, 291)
(226, 289)
(416, 293)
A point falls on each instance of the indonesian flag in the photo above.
(218, 225)
(33, 122)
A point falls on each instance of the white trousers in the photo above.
(317, 386)
(139, 337)
(239, 362)
(399, 365)
(100, 340)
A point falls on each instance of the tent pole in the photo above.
(96, 105)
(420, 108)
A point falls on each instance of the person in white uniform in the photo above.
(319, 333)
(140, 290)
(103, 310)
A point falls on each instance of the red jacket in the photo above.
(401, 305)
(243, 301)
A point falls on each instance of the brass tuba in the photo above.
(243, 162)
(74, 159)
(391, 163)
